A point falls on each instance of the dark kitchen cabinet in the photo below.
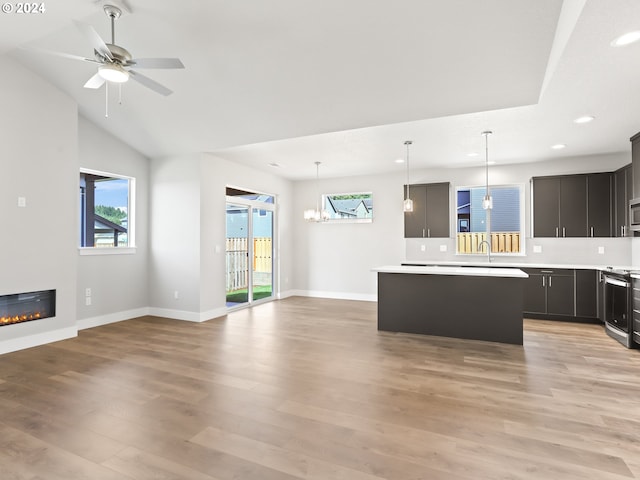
(635, 162)
(560, 206)
(623, 193)
(430, 216)
(599, 204)
(587, 283)
(573, 205)
(549, 292)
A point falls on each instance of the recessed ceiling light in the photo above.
(472, 154)
(274, 165)
(584, 119)
(626, 39)
(399, 160)
(558, 146)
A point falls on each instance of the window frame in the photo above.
(522, 196)
(130, 248)
(324, 197)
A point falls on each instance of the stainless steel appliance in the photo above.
(617, 306)
(635, 305)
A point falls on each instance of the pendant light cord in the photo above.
(407, 143)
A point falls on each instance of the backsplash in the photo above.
(573, 251)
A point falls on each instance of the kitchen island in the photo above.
(461, 302)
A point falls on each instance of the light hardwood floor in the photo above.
(308, 388)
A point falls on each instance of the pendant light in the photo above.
(317, 215)
(408, 203)
(487, 201)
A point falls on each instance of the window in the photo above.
(506, 220)
(356, 207)
(106, 213)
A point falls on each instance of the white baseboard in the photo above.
(211, 314)
(175, 314)
(112, 318)
(37, 339)
(362, 297)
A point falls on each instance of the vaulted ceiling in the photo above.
(289, 82)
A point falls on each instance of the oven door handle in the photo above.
(615, 281)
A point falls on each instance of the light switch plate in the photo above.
(537, 249)
(423, 248)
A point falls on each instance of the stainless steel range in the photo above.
(618, 314)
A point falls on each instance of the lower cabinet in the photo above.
(549, 291)
(562, 294)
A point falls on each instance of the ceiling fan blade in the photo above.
(65, 55)
(152, 84)
(155, 63)
(95, 82)
(97, 42)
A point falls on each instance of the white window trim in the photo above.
(523, 248)
(131, 219)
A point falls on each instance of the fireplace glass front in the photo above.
(24, 307)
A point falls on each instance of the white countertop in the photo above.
(497, 263)
(454, 270)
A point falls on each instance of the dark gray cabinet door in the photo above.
(437, 210)
(573, 206)
(599, 204)
(430, 216)
(623, 188)
(635, 161)
(587, 293)
(535, 300)
(560, 289)
(546, 206)
(415, 222)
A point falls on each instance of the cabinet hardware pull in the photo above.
(423, 233)
(563, 232)
(592, 231)
(428, 233)
(556, 231)
(543, 281)
(549, 281)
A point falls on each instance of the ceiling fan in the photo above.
(116, 64)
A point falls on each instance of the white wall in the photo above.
(119, 283)
(335, 259)
(175, 236)
(188, 222)
(38, 161)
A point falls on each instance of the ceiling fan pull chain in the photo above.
(119, 94)
(106, 99)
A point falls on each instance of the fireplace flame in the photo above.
(20, 318)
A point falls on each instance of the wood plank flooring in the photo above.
(309, 389)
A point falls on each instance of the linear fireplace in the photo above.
(24, 307)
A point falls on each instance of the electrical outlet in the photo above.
(537, 249)
(423, 248)
(87, 292)
(176, 295)
(601, 250)
(22, 202)
(443, 248)
(87, 301)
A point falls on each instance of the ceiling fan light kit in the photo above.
(115, 63)
(113, 73)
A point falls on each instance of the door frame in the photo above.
(252, 206)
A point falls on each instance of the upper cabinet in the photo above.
(635, 162)
(572, 206)
(430, 216)
(623, 193)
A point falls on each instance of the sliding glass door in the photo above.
(249, 247)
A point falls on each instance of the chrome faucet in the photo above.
(488, 249)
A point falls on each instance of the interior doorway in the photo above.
(250, 220)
